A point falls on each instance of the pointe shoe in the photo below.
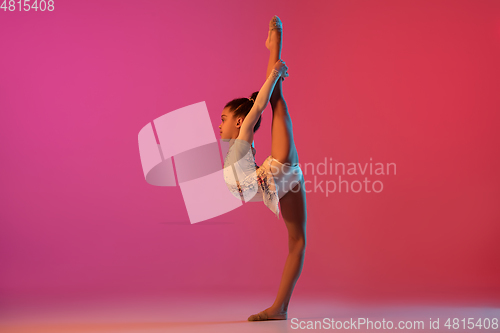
(274, 24)
(262, 316)
(259, 316)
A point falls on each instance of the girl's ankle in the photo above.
(275, 47)
(280, 309)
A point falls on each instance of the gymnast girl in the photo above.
(279, 178)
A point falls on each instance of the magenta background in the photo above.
(415, 84)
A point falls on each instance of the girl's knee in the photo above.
(297, 245)
(277, 101)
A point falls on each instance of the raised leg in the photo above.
(283, 146)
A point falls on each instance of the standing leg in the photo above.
(294, 211)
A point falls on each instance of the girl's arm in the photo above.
(246, 130)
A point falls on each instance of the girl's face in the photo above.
(229, 127)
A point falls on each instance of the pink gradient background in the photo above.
(412, 83)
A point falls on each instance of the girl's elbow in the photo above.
(261, 107)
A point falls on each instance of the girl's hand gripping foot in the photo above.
(281, 68)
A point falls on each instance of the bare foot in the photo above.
(275, 33)
(269, 314)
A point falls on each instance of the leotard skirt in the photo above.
(268, 182)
